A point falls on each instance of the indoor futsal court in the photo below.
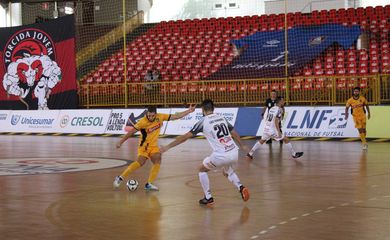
(61, 188)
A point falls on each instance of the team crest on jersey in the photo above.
(30, 66)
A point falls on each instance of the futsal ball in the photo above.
(132, 185)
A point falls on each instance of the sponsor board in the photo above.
(185, 124)
(122, 120)
(378, 124)
(298, 121)
(3, 116)
(27, 166)
(316, 122)
(30, 121)
(83, 121)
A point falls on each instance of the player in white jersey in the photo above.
(272, 130)
(222, 138)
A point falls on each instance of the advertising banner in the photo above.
(378, 125)
(3, 120)
(29, 121)
(298, 121)
(122, 120)
(83, 121)
(316, 122)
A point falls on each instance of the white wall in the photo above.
(374, 3)
(11, 17)
(163, 10)
(145, 5)
(305, 6)
(16, 14)
(3, 17)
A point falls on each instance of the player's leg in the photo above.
(257, 145)
(208, 164)
(281, 131)
(131, 168)
(156, 160)
(361, 125)
(227, 161)
(290, 147)
(233, 178)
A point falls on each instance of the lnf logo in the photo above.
(316, 119)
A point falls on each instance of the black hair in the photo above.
(152, 109)
(278, 99)
(356, 88)
(273, 91)
(208, 105)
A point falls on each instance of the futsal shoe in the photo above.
(205, 201)
(298, 155)
(244, 193)
(150, 187)
(249, 156)
(117, 182)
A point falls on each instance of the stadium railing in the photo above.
(312, 90)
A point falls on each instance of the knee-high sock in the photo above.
(290, 148)
(233, 178)
(254, 148)
(204, 181)
(131, 168)
(363, 137)
(153, 172)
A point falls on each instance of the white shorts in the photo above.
(221, 160)
(268, 134)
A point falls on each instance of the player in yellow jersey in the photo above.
(149, 126)
(359, 105)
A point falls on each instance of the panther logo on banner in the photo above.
(29, 57)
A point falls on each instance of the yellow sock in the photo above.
(153, 172)
(131, 168)
(363, 138)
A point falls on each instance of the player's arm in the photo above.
(368, 111)
(179, 140)
(277, 125)
(263, 112)
(236, 137)
(346, 110)
(264, 109)
(126, 136)
(184, 113)
(283, 112)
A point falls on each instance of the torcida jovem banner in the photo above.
(38, 66)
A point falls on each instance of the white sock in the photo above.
(233, 178)
(290, 148)
(254, 148)
(204, 181)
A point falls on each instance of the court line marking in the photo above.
(262, 232)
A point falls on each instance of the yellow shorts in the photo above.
(360, 122)
(147, 151)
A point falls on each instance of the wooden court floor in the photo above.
(335, 191)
